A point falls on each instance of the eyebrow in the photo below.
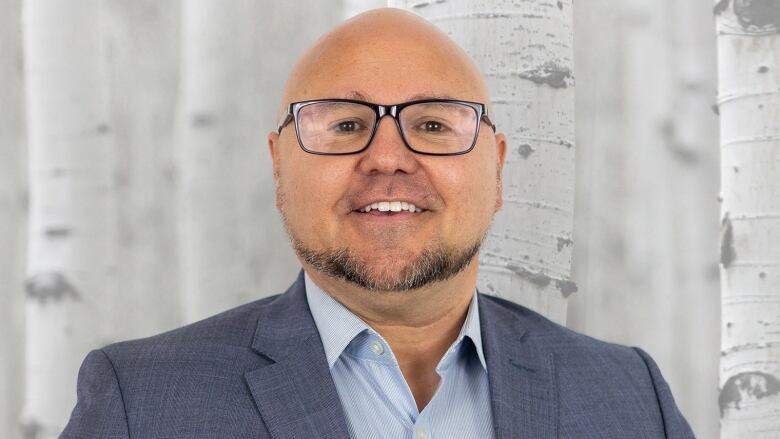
(355, 94)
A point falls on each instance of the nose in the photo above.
(387, 154)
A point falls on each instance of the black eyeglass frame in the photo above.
(381, 111)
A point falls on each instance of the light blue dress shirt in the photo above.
(377, 401)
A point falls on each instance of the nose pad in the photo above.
(387, 153)
(394, 122)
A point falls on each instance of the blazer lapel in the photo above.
(295, 393)
(521, 378)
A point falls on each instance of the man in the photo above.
(383, 334)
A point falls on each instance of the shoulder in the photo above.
(571, 348)
(598, 379)
(223, 335)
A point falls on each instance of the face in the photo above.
(321, 197)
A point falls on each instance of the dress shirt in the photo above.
(378, 402)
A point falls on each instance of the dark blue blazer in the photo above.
(259, 371)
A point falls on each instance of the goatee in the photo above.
(436, 263)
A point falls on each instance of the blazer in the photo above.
(259, 371)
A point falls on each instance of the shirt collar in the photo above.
(338, 326)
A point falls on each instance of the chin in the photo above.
(386, 268)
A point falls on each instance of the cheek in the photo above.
(469, 189)
(310, 190)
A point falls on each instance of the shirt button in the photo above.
(377, 348)
(421, 433)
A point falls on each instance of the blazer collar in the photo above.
(296, 396)
(521, 375)
(294, 393)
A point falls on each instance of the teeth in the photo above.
(391, 206)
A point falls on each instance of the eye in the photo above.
(348, 126)
(432, 127)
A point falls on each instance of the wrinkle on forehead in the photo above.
(390, 38)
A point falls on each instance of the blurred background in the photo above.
(136, 192)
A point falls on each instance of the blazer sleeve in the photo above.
(675, 425)
(99, 410)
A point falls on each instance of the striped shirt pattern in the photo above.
(374, 394)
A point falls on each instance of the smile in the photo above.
(391, 206)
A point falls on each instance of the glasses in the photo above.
(347, 126)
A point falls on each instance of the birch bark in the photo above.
(71, 262)
(13, 218)
(749, 103)
(525, 51)
(142, 73)
(213, 277)
(648, 177)
(235, 56)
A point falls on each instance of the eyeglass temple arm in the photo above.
(487, 120)
(286, 121)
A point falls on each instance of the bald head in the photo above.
(385, 56)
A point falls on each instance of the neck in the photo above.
(434, 306)
(419, 325)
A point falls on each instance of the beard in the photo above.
(437, 262)
(434, 264)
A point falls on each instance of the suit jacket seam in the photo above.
(655, 390)
(119, 388)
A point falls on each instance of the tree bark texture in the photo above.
(107, 96)
(234, 54)
(524, 49)
(141, 40)
(749, 103)
(647, 182)
(13, 219)
(71, 264)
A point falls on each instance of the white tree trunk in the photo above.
(647, 181)
(142, 73)
(524, 48)
(13, 219)
(71, 262)
(235, 56)
(214, 274)
(749, 102)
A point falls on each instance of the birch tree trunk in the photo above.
(13, 219)
(749, 102)
(71, 262)
(648, 178)
(524, 49)
(142, 71)
(213, 274)
(235, 56)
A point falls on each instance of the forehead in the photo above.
(367, 96)
(386, 71)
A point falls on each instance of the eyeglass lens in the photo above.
(428, 127)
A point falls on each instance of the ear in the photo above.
(500, 156)
(273, 148)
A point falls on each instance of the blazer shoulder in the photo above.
(559, 338)
(234, 327)
(596, 373)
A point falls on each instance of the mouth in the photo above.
(391, 208)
